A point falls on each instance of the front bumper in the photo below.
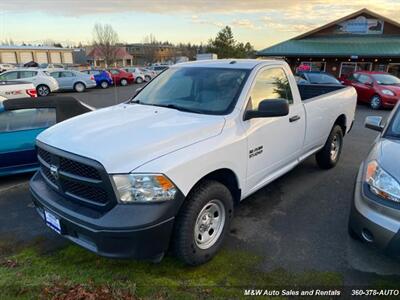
(140, 231)
(389, 101)
(374, 221)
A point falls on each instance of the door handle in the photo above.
(294, 118)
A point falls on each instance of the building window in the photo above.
(380, 67)
(346, 68)
(315, 65)
(394, 69)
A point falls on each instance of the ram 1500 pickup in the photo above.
(165, 169)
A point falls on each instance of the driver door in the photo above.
(275, 143)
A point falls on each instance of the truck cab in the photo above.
(167, 168)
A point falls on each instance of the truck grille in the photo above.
(79, 179)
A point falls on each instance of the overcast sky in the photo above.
(261, 22)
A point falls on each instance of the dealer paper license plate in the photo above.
(52, 221)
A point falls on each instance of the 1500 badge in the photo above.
(256, 151)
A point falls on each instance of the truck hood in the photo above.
(126, 136)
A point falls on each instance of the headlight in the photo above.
(133, 188)
(381, 183)
(388, 92)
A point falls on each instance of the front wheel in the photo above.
(376, 102)
(147, 78)
(124, 82)
(329, 155)
(202, 223)
(139, 80)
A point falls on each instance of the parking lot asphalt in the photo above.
(297, 223)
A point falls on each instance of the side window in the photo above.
(270, 84)
(114, 71)
(67, 74)
(27, 119)
(27, 74)
(9, 76)
(55, 74)
(364, 79)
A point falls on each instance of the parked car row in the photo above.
(378, 89)
(50, 80)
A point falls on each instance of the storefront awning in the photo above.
(362, 46)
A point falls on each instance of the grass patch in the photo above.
(74, 271)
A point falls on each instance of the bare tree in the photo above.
(150, 48)
(105, 40)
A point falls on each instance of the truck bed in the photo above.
(308, 91)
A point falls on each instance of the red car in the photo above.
(378, 89)
(121, 77)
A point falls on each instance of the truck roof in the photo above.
(228, 63)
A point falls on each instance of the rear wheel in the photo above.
(329, 155)
(376, 102)
(79, 87)
(43, 90)
(124, 82)
(139, 80)
(147, 78)
(202, 223)
(104, 84)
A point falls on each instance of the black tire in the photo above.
(352, 233)
(148, 78)
(184, 244)
(326, 159)
(376, 102)
(139, 80)
(123, 82)
(43, 90)
(104, 84)
(79, 87)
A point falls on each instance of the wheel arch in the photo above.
(342, 122)
(79, 81)
(225, 176)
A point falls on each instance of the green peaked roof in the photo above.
(382, 46)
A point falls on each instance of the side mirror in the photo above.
(374, 123)
(269, 108)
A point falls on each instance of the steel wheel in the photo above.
(124, 82)
(104, 84)
(376, 102)
(209, 224)
(335, 147)
(139, 80)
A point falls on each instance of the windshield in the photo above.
(386, 79)
(200, 90)
(394, 127)
(322, 79)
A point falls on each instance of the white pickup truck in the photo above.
(166, 169)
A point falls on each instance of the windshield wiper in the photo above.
(177, 107)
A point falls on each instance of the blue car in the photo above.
(21, 120)
(103, 78)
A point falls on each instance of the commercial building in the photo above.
(363, 40)
(121, 57)
(39, 54)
